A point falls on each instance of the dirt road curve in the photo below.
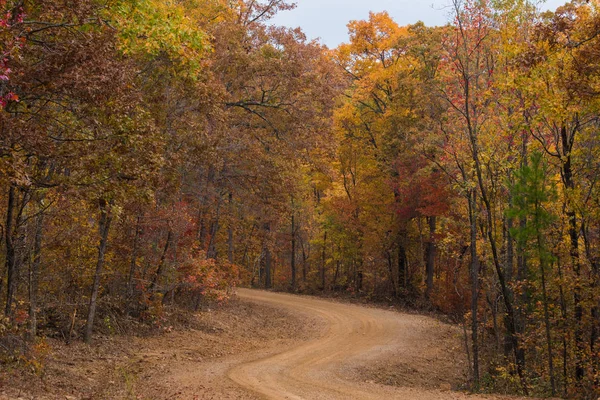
(353, 336)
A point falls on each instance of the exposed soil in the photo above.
(181, 364)
(264, 345)
(364, 353)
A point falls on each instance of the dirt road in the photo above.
(261, 346)
(353, 337)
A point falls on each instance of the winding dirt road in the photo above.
(262, 346)
(352, 336)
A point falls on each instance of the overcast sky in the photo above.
(327, 19)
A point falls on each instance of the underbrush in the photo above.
(22, 353)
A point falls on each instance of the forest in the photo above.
(161, 152)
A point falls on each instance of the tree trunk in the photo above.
(595, 310)
(230, 231)
(595, 314)
(104, 226)
(508, 263)
(336, 274)
(304, 261)
(569, 183)
(323, 261)
(13, 262)
(268, 266)
(133, 263)
(522, 277)
(546, 313)
(402, 270)
(202, 208)
(34, 274)
(10, 261)
(359, 278)
(564, 333)
(390, 263)
(474, 286)
(211, 252)
(293, 255)
(509, 269)
(161, 263)
(430, 251)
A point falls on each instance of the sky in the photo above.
(327, 19)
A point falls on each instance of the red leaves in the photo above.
(10, 43)
(209, 277)
(421, 189)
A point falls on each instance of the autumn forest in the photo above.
(159, 153)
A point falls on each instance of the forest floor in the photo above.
(261, 345)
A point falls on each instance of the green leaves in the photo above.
(531, 194)
(149, 28)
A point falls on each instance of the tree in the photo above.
(530, 195)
